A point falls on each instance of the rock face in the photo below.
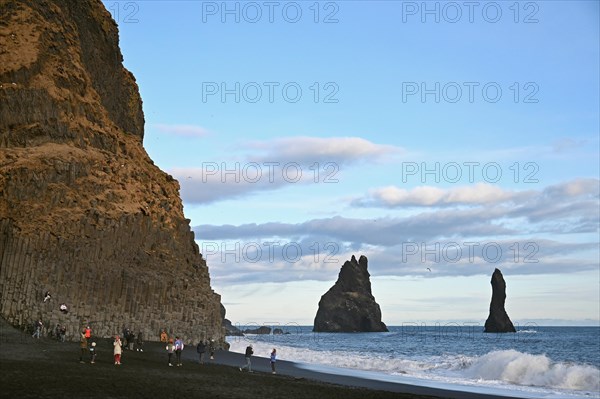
(349, 306)
(84, 213)
(498, 320)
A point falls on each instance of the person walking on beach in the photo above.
(201, 348)
(170, 349)
(63, 333)
(125, 336)
(249, 353)
(140, 342)
(117, 350)
(178, 349)
(83, 346)
(131, 341)
(273, 360)
(211, 348)
(37, 329)
(93, 353)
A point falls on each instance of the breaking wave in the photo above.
(504, 366)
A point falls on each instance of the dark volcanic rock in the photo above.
(84, 213)
(230, 329)
(498, 320)
(349, 306)
(264, 330)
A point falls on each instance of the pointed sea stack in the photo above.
(349, 306)
(84, 212)
(498, 321)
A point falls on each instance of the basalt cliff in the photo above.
(84, 212)
(349, 306)
(498, 320)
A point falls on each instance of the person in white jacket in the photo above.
(118, 350)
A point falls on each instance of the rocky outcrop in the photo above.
(230, 329)
(262, 330)
(349, 306)
(498, 320)
(84, 213)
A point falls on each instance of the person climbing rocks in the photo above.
(178, 348)
(248, 355)
(170, 349)
(47, 296)
(63, 308)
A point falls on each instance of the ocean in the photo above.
(535, 362)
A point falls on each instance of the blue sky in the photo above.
(303, 132)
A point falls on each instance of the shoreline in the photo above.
(295, 370)
(45, 368)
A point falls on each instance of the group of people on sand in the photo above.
(87, 345)
(173, 347)
(176, 347)
(132, 341)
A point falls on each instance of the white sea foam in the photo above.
(505, 367)
(533, 370)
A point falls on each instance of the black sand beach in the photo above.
(44, 368)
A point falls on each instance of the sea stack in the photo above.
(349, 306)
(498, 321)
(85, 215)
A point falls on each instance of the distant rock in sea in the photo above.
(264, 330)
(230, 329)
(349, 306)
(498, 320)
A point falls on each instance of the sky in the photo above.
(441, 140)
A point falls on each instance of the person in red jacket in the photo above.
(88, 332)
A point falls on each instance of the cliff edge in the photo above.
(84, 213)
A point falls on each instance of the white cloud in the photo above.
(187, 131)
(284, 162)
(582, 191)
(576, 188)
(478, 194)
(565, 208)
(339, 150)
